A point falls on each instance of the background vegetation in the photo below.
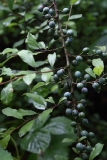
(15, 23)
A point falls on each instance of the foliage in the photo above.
(43, 89)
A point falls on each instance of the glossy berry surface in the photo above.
(88, 149)
(83, 101)
(91, 135)
(80, 146)
(84, 156)
(74, 63)
(65, 11)
(67, 94)
(85, 50)
(102, 81)
(84, 90)
(56, 36)
(47, 16)
(80, 85)
(80, 107)
(70, 32)
(73, 124)
(60, 72)
(51, 31)
(55, 77)
(99, 52)
(69, 40)
(79, 58)
(64, 31)
(84, 133)
(68, 111)
(52, 24)
(75, 112)
(87, 76)
(85, 122)
(77, 74)
(81, 115)
(40, 8)
(51, 12)
(45, 10)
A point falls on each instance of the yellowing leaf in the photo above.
(98, 70)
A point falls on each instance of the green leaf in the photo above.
(36, 98)
(50, 99)
(7, 94)
(97, 150)
(6, 71)
(12, 112)
(82, 138)
(98, 62)
(75, 150)
(73, 1)
(77, 158)
(68, 140)
(75, 16)
(1, 79)
(60, 157)
(40, 63)
(6, 153)
(38, 85)
(26, 112)
(47, 75)
(31, 41)
(90, 72)
(36, 142)
(102, 48)
(44, 114)
(62, 99)
(39, 106)
(8, 20)
(10, 3)
(26, 128)
(52, 58)
(59, 125)
(42, 45)
(10, 50)
(27, 57)
(98, 70)
(29, 78)
(4, 142)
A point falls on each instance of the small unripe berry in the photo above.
(64, 31)
(47, 16)
(56, 36)
(84, 156)
(69, 40)
(51, 31)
